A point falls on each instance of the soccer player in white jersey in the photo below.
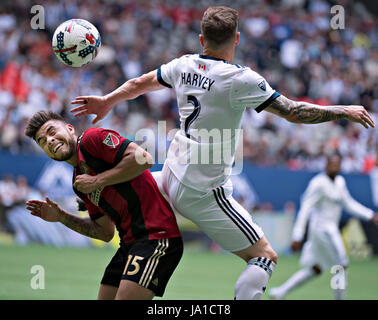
(212, 94)
(322, 204)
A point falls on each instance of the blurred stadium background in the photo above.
(289, 42)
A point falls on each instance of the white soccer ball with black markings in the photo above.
(76, 42)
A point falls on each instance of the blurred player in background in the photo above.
(322, 204)
(212, 93)
(111, 177)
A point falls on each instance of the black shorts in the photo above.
(149, 263)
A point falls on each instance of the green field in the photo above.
(72, 273)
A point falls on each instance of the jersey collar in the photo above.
(202, 56)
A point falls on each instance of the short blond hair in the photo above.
(219, 25)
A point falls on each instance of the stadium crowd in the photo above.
(289, 42)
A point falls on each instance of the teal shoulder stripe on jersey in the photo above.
(267, 102)
(161, 80)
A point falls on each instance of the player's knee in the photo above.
(317, 270)
(273, 256)
(270, 254)
(129, 290)
(260, 249)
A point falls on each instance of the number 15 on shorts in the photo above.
(134, 263)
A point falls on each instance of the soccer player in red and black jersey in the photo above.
(111, 177)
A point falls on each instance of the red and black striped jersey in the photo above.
(137, 208)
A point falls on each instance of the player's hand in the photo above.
(47, 210)
(91, 105)
(296, 246)
(360, 115)
(375, 218)
(86, 183)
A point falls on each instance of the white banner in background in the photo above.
(374, 185)
(56, 180)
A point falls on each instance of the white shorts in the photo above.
(216, 212)
(324, 248)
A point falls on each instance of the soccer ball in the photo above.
(76, 42)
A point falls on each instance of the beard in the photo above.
(67, 155)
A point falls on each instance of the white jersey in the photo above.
(212, 95)
(323, 202)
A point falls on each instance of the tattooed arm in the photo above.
(102, 228)
(304, 112)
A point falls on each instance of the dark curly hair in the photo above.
(38, 120)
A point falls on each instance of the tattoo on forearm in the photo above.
(303, 112)
(85, 226)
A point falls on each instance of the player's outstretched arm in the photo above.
(357, 209)
(304, 112)
(101, 105)
(102, 228)
(310, 198)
